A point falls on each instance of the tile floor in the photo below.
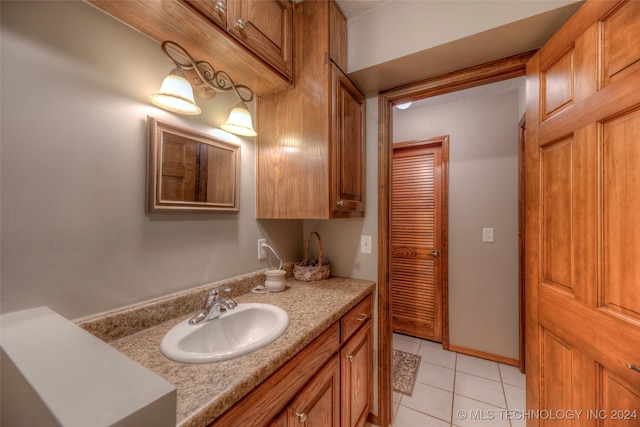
(454, 389)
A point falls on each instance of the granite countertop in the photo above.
(205, 391)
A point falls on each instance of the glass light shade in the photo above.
(239, 121)
(404, 106)
(176, 94)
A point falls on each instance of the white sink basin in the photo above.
(240, 331)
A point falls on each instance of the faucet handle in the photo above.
(214, 293)
(220, 288)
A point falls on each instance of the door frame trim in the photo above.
(491, 72)
(522, 136)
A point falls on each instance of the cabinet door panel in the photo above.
(318, 404)
(265, 27)
(347, 145)
(337, 36)
(356, 359)
(215, 10)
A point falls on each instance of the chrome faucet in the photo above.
(215, 305)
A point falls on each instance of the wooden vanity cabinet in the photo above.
(356, 364)
(327, 384)
(310, 144)
(265, 27)
(318, 404)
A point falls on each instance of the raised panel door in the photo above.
(582, 221)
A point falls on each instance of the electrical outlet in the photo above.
(365, 244)
(262, 251)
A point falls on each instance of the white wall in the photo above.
(483, 192)
(74, 233)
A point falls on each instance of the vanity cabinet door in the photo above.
(356, 371)
(318, 403)
(266, 28)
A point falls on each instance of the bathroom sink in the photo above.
(246, 328)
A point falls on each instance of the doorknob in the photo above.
(435, 254)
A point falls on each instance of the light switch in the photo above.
(487, 235)
(365, 244)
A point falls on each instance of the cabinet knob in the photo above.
(220, 7)
(240, 24)
(350, 357)
(302, 417)
(340, 203)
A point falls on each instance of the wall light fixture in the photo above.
(176, 92)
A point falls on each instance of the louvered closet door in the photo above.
(415, 238)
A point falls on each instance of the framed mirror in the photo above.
(188, 171)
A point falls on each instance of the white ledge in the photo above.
(56, 374)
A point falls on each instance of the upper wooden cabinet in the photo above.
(265, 27)
(310, 144)
(260, 57)
(215, 10)
(337, 36)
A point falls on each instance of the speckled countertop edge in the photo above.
(205, 391)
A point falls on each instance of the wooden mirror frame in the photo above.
(222, 191)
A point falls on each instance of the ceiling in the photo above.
(501, 42)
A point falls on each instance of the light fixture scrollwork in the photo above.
(176, 93)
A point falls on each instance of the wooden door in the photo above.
(417, 238)
(582, 220)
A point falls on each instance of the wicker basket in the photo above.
(311, 270)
